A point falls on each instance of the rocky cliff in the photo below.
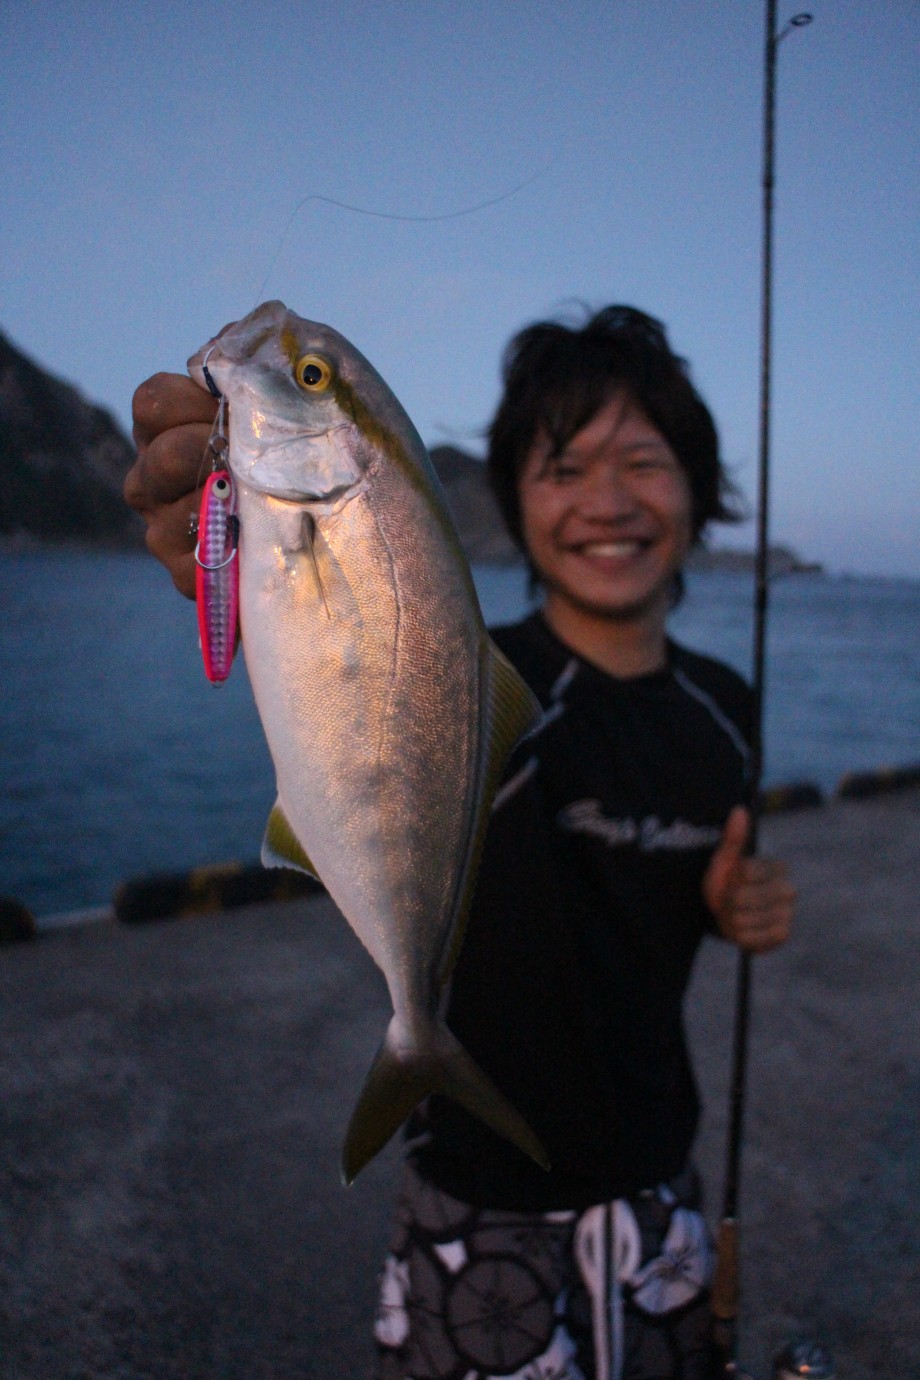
(472, 506)
(62, 461)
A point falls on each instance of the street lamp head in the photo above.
(798, 21)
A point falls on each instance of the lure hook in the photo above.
(233, 528)
(207, 375)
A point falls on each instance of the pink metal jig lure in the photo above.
(217, 578)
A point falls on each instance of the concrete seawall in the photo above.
(173, 1098)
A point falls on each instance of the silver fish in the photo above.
(388, 711)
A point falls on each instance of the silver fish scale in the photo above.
(370, 712)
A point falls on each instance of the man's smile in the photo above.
(621, 548)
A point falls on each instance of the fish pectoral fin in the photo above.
(398, 1080)
(309, 532)
(282, 848)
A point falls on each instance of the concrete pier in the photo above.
(173, 1099)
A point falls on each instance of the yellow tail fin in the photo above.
(400, 1078)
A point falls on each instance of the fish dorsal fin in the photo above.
(281, 847)
(510, 710)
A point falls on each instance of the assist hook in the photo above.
(207, 374)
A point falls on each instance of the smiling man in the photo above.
(616, 843)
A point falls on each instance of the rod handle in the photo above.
(725, 1289)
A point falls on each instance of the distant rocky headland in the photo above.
(782, 560)
(63, 462)
(473, 508)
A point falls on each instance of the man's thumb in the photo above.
(725, 859)
(734, 838)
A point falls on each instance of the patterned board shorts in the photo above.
(618, 1292)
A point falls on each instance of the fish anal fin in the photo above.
(282, 848)
(398, 1080)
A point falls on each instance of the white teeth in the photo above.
(611, 548)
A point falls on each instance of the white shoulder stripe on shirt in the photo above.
(718, 714)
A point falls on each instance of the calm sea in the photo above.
(120, 759)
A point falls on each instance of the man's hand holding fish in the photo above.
(172, 422)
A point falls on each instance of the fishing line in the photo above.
(217, 443)
(215, 452)
(392, 215)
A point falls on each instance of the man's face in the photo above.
(608, 523)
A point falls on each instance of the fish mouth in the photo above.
(238, 340)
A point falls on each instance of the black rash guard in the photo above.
(587, 915)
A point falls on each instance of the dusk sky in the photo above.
(152, 156)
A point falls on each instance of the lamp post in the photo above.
(726, 1286)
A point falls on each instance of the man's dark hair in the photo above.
(557, 377)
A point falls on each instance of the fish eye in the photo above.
(221, 489)
(313, 373)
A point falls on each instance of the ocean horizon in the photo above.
(121, 760)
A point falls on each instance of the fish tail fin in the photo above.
(398, 1080)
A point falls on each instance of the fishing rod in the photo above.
(726, 1285)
